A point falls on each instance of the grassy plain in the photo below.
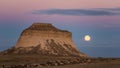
(35, 59)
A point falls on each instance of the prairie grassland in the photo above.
(35, 59)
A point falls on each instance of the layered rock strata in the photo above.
(45, 39)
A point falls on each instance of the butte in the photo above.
(44, 39)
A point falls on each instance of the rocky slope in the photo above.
(45, 39)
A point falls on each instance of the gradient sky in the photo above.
(98, 18)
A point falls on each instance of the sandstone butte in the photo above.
(45, 39)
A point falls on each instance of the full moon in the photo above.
(87, 38)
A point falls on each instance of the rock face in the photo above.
(45, 39)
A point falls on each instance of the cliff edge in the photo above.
(45, 39)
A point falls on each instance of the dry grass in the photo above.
(89, 66)
(25, 59)
(28, 59)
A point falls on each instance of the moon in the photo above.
(87, 38)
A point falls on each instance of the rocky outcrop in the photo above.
(45, 39)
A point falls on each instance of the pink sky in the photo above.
(22, 9)
(23, 5)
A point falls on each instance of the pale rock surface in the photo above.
(44, 38)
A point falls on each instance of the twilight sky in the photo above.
(98, 18)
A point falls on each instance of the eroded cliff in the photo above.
(45, 39)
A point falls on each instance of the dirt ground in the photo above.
(98, 65)
(95, 62)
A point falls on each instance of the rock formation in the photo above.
(45, 39)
